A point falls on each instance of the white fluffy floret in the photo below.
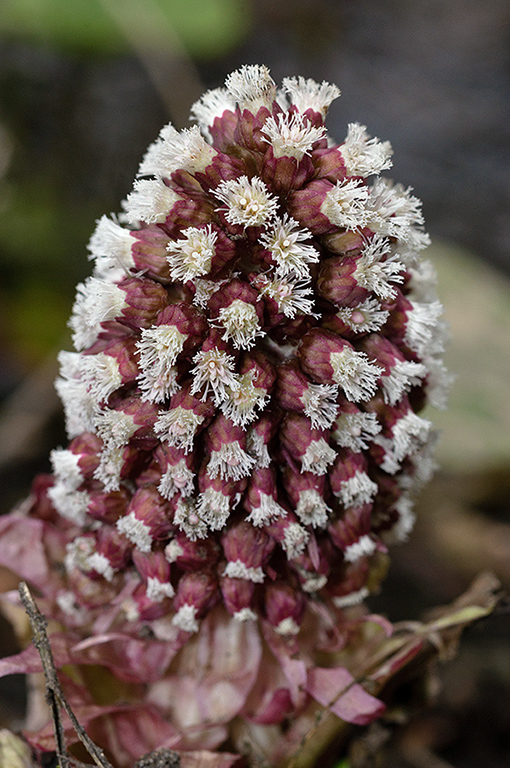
(287, 627)
(355, 430)
(187, 519)
(357, 490)
(158, 349)
(150, 201)
(177, 478)
(101, 565)
(186, 618)
(345, 205)
(115, 428)
(101, 375)
(178, 427)
(211, 105)
(110, 247)
(404, 374)
(66, 468)
(312, 509)
(291, 134)
(158, 590)
(319, 404)
(174, 150)
(307, 94)
(295, 540)
(244, 401)
(364, 547)
(376, 268)
(267, 510)
(110, 467)
(424, 332)
(248, 201)
(136, 531)
(364, 317)
(80, 407)
(96, 302)
(230, 462)
(285, 240)
(251, 87)
(241, 324)
(352, 598)
(409, 435)
(395, 212)
(365, 156)
(318, 457)
(70, 504)
(291, 295)
(354, 372)
(214, 508)
(258, 449)
(204, 289)
(236, 569)
(191, 256)
(214, 370)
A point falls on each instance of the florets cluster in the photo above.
(253, 352)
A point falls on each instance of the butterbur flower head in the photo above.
(251, 355)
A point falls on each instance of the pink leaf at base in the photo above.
(336, 690)
(28, 546)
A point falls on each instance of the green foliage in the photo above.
(42, 255)
(206, 28)
(37, 319)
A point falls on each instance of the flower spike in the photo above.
(252, 354)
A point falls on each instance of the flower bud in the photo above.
(306, 492)
(349, 479)
(191, 555)
(261, 499)
(196, 593)
(112, 553)
(297, 393)
(289, 534)
(148, 518)
(178, 331)
(177, 475)
(247, 550)
(226, 450)
(284, 608)
(398, 374)
(154, 569)
(238, 598)
(259, 437)
(202, 252)
(107, 507)
(306, 445)
(327, 358)
(351, 534)
(76, 464)
(134, 302)
(219, 496)
(186, 416)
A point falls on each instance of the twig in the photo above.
(55, 695)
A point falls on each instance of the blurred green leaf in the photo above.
(38, 314)
(42, 229)
(204, 27)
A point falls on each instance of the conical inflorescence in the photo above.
(252, 355)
